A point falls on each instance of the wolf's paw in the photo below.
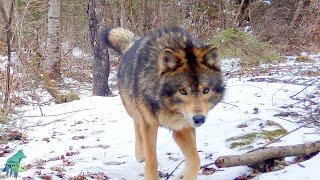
(179, 177)
(185, 177)
(140, 157)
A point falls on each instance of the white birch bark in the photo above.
(53, 49)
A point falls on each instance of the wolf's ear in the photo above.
(211, 57)
(168, 61)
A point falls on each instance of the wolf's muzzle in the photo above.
(198, 120)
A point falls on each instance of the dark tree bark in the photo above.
(160, 12)
(240, 10)
(222, 18)
(8, 15)
(122, 14)
(297, 12)
(146, 16)
(101, 64)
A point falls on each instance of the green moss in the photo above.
(249, 138)
(239, 144)
(239, 44)
(241, 141)
(271, 135)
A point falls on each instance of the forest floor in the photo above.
(93, 137)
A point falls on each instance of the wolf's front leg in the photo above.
(186, 140)
(149, 138)
(139, 152)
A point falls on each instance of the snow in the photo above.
(3, 63)
(103, 121)
(78, 53)
(98, 134)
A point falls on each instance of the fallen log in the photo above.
(266, 153)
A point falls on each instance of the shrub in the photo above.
(239, 44)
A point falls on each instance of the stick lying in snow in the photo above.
(267, 153)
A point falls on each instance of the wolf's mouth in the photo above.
(196, 125)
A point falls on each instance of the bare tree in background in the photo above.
(53, 50)
(122, 13)
(222, 18)
(160, 12)
(297, 12)
(101, 65)
(235, 22)
(145, 16)
(7, 13)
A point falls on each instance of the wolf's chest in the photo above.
(172, 121)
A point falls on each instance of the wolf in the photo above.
(166, 79)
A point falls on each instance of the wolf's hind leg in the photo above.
(186, 140)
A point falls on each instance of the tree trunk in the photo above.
(160, 12)
(7, 12)
(53, 51)
(222, 18)
(122, 13)
(114, 13)
(131, 17)
(101, 65)
(297, 12)
(146, 16)
(183, 13)
(235, 22)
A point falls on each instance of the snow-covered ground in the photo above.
(94, 137)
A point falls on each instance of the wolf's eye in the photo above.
(183, 92)
(205, 91)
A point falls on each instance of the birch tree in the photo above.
(53, 50)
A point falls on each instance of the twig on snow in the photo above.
(305, 88)
(229, 104)
(52, 115)
(57, 120)
(170, 174)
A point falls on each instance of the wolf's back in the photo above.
(119, 39)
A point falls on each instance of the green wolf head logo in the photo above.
(13, 164)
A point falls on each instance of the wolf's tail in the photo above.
(119, 39)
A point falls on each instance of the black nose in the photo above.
(198, 119)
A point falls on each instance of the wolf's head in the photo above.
(191, 81)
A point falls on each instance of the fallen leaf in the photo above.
(78, 137)
(207, 171)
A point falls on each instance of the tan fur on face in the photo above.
(193, 106)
